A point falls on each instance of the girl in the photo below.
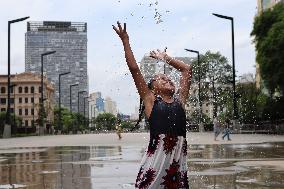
(164, 163)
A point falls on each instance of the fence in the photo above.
(265, 127)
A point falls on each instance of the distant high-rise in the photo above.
(69, 40)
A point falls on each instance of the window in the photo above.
(12, 100)
(26, 123)
(32, 100)
(39, 89)
(26, 100)
(20, 111)
(3, 100)
(20, 100)
(32, 111)
(3, 109)
(26, 111)
(32, 90)
(12, 110)
(26, 90)
(12, 89)
(20, 89)
(3, 90)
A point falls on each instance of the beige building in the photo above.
(110, 106)
(25, 97)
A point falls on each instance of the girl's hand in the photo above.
(122, 33)
(159, 55)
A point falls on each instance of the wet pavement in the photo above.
(225, 166)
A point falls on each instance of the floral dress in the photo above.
(164, 164)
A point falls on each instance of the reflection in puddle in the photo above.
(253, 166)
(237, 166)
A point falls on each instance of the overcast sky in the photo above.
(185, 24)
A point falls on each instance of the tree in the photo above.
(216, 78)
(105, 121)
(250, 102)
(268, 32)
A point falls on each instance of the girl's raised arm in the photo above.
(143, 90)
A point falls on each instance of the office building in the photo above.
(69, 40)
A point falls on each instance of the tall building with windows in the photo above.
(25, 97)
(69, 40)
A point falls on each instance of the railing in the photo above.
(265, 127)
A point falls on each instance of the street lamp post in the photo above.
(41, 100)
(8, 121)
(235, 110)
(85, 109)
(60, 124)
(33, 107)
(70, 90)
(14, 130)
(79, 99)
(78, 110)
(201, 129)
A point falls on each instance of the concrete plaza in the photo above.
(101, 161)
(129, 139)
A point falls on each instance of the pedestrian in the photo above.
(216, 128)
(227, 130)
(164, 164)
(118, 129)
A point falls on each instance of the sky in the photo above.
(182, 24)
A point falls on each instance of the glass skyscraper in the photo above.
(69, 40)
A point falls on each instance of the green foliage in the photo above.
(105, 121)
(268, 32)
(249, 102)
(127, 124)
(14, 124)
(216, 77)
(70, 121)
(254, 106)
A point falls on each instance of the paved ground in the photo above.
(102, 161)
(129, 139)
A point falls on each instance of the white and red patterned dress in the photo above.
(164, 164)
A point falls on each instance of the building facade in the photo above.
(110, 106)
(69, 40)
(96, 104)
(25, 97)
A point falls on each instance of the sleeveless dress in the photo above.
(164, 163)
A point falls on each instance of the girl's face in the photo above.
(162, 84)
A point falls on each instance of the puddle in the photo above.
(6, 186)
(253, 166)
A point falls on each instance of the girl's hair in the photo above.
(142, 106)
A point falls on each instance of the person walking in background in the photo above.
(118, 129)
(227, 130)
(164, 163)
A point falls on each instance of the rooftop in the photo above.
(58, 26)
